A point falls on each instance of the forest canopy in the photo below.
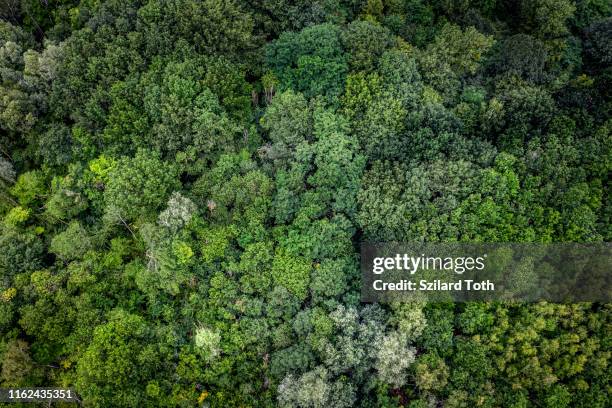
(185, 185)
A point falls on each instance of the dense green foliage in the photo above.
(184, 186)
